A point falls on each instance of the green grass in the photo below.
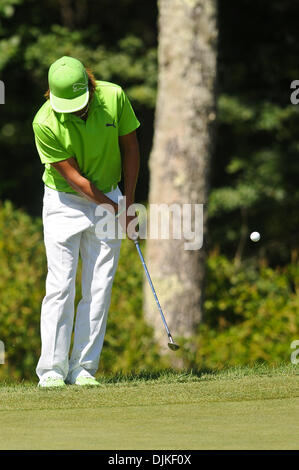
(240, 408)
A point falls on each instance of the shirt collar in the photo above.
(63, 117)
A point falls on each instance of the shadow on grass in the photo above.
(163, 375)
(172, 375)
(259, 368)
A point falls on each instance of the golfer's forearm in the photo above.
(131, 163)
(87, 189)
(70, 171)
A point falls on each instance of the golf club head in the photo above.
(173, 346)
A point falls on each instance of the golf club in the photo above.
(172, 345)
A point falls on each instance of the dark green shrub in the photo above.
(251, 315)
(22, 275)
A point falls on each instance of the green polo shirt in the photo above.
(94, 142)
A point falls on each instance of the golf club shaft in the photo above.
(153, 290)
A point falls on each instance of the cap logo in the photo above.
(79, 86)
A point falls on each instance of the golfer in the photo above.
(85, 135)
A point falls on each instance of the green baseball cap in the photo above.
(68, 83)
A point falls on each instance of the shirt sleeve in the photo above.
(49, 148)
(127, 121)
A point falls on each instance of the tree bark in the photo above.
(180, 158)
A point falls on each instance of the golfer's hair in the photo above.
(91, 85)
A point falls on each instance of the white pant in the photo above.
(69, 229)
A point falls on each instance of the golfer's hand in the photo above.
(127, 224)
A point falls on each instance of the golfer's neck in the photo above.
(83, 113)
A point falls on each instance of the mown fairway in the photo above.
(236, 409)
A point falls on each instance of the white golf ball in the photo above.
(255, 236)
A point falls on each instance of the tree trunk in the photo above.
(180, 158)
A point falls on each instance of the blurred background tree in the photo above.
(118, 44)
(255, 166)
(255, 169)
(181, 156)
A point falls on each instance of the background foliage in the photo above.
(251, 314)
(251, 308)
